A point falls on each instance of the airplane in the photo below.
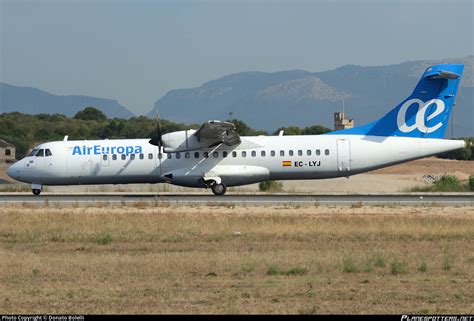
(215, 156)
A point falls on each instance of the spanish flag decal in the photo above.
(286, 163)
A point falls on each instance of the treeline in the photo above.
(25, 131)
(467, 153)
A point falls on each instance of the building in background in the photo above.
(7, 152)
(340, 122)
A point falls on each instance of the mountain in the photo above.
(34, 101)
(271, 100)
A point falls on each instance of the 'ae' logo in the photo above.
(420, 122)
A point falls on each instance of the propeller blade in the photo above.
(156, 139)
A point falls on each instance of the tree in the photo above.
(291, 130)
(90, 113)
(315, 130)
(310, 130)
(244, 130)
(466, 153)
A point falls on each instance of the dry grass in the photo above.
(142, 259)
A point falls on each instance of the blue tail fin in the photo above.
(425, 114)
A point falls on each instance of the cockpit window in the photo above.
(33, 152)
(48, 152)
(40, 153)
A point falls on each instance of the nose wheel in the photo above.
(36, 188)
(219, 189)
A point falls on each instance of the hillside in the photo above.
(30, 100)
(269, 100)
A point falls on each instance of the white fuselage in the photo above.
(256, 159)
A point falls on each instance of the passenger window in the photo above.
(326, 151)
(234, 154)
(196, 154)
(290, 153)
(132, 156)
(142, 156)
(124, 156)
(318, 152)
(48, 153)
(40, 153)
(300, 153)
(215, 154)
(178, 155)
(104, 157)
(224, 154)
(206, 155)
(254, 153)
(272, 153)
(263, 153)
(114, 157)
(282, 153)
(308, 152)
(187, 155)
(244, 154)
(150, 156)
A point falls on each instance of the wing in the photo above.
(218, 132)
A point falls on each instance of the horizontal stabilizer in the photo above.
(444, 74)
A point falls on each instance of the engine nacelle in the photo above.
(181, 141)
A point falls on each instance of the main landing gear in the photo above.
(215, 183)
(219, 189)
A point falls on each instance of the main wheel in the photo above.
(219, 189)
(36, 191)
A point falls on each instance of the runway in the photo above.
(421, 199)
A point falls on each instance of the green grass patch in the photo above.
(270, 186)
(447, 263)
(398, 267)
(297, 271)
(349, 265)
(275, 270)
(423, 267)
(103, 238)
(379, 261)
(447, 183)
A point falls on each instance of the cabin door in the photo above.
(343, 155)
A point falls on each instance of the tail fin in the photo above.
(425, 114)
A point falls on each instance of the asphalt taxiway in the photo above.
(418, 199)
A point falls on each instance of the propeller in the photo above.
(156, 138)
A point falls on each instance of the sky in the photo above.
(137, 50)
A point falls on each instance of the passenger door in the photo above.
(343, 155)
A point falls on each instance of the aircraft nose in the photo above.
(13, 171)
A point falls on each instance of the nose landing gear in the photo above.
(36, 188)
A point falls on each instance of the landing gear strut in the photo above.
(219, 189)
